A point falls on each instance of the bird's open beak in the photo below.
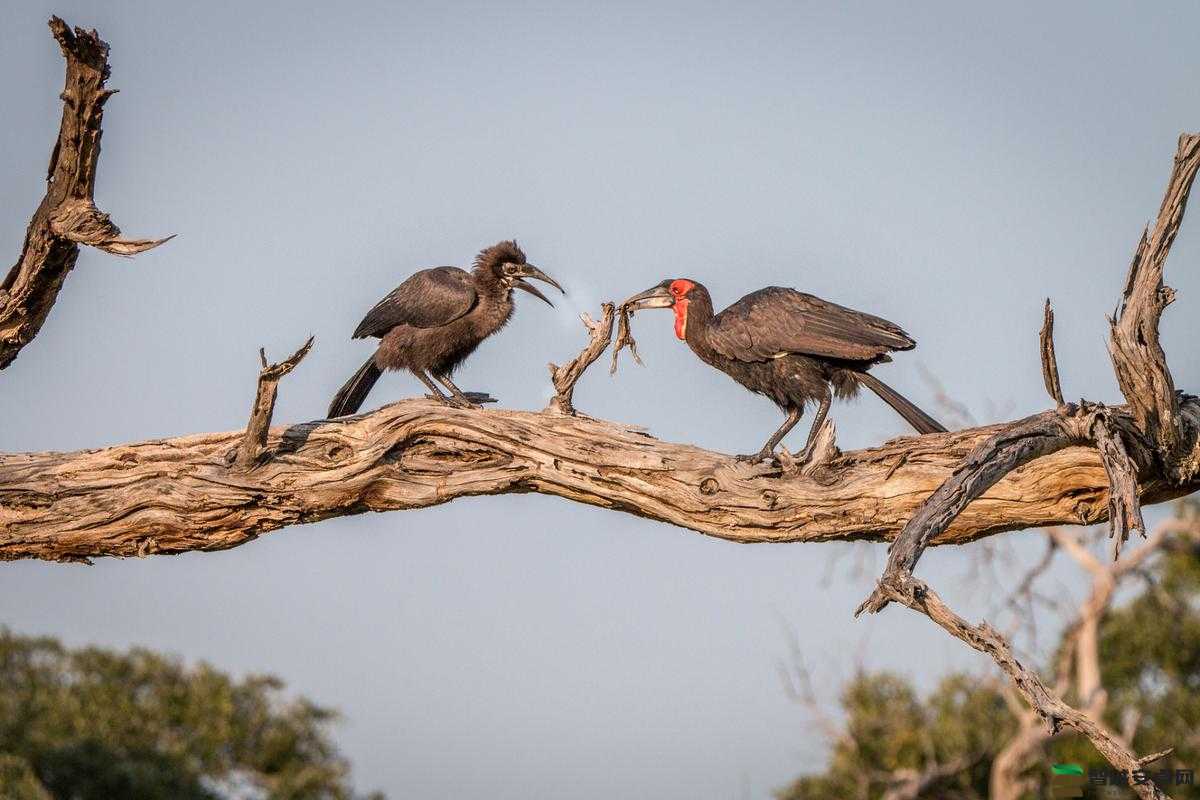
(654, 297)
(530, 271)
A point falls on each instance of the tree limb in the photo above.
(174, 495)
(1162, 432)
(67, 215)
(1012, 447)
(1137, 356)
(1048, 705)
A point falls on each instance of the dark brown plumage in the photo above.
(790, 346)
(430, 323)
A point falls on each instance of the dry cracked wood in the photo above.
(173, 495)
(67, 216)
(1137, 356)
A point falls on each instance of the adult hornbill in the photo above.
(437, 318)
(790, 346)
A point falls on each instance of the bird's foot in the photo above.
(472, 400)
(761, 455)
(462, 402)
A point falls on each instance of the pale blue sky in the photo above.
(946, 166)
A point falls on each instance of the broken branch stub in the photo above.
(258, 427)
(1049, 360)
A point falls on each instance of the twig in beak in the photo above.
(624, 339)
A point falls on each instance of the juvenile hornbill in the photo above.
(437, 318)
(792, 347)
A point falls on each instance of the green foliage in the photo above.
(1150, 665)
(891, 731)
(17, 781)
(94, 724)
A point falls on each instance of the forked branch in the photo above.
(255, 439)
(1137, 355)
(565, 377)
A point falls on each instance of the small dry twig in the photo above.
(624, 339)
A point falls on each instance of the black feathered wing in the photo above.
(776, 320)
(429, 298)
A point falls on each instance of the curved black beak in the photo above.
(654, 297)
(530, 271)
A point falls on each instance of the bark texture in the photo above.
(172, 495)
(67, 216)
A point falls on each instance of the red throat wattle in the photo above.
(680, 289)
(680, 309)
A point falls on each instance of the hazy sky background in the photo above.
(946, 166)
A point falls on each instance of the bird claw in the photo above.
(466, 400)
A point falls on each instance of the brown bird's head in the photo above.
(673, 293)
(504, 263)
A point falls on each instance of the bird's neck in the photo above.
(692, 320)
(491, 286)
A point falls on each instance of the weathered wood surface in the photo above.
(67, 216)
(173, 495)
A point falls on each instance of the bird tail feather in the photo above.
(351, 396)
(903, 406)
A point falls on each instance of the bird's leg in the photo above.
(432, 387)
(768, 449)
(462, 398)
(818, 421)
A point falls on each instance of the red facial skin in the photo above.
(679, 290)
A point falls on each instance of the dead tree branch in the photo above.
(179, 494)
(1124, 509)
(1137, 355)
(996, 457)
(1049, 361)
(1157, 432)
(1162, 439)
(1080, 647)
(67, 216)
(565, 377)
(255, 439)
(1048, 705)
